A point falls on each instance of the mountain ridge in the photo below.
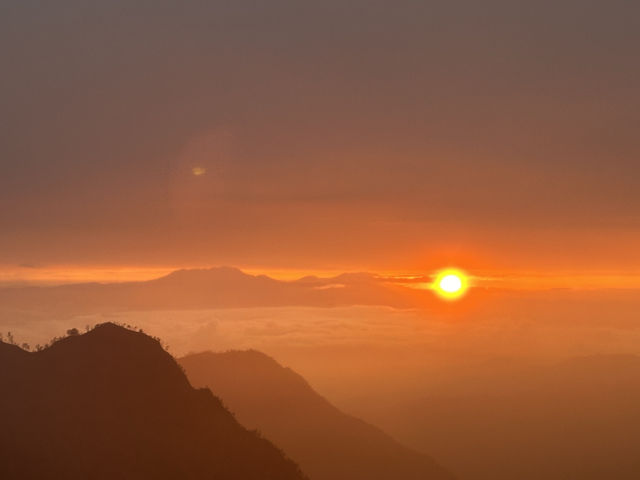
(112, 403)
(327, 443)
(217, 287)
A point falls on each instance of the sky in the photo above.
(325, 136)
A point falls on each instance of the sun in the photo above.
(451, 284)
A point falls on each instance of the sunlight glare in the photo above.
(451, 284)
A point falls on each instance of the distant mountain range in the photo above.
(221, 287)
(112, 404)
(326, 443)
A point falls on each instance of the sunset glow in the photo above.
(451, 284)
(222, 223)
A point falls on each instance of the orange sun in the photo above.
(451, 284)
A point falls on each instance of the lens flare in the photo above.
(451, 284)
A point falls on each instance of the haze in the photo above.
(290, 178)
(331, 136)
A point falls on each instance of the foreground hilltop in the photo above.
(112, 404)
(326, 443)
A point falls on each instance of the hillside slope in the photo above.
(327, 444)
(112, 404)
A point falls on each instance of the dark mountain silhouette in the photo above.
(327, 444)
(221, 287)
(112, 404)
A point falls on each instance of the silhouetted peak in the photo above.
(113, 337)
(238, 359)
(246, 356)
(120, 354)
(206, 273)
(327, 443)
(116, 333)
(257, 371)
(111, 403)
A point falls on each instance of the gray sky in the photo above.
(336, 133)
